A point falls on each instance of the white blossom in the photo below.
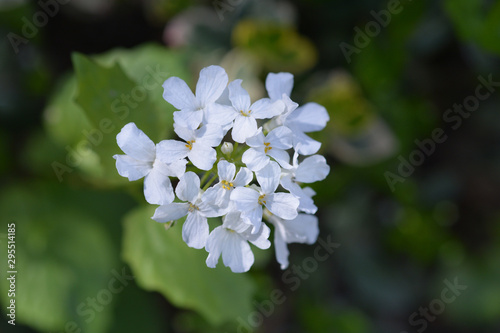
(231, 241)
(219, 194)
(197, 146)
(210, 86)
(302, 229)
(250, 200)
(311, 169)
(141, 160)
(263, 147)
(195, 230)
(243, 112)
(310, 117)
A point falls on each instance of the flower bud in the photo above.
(227, 148)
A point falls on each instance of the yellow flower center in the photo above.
(190, 144)
(245, 114)
(192, 207)
(268, 147)
(261, 199)
(227, 185)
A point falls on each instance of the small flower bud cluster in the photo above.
(257, 179)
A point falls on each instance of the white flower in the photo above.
(250, 200)
(141, 161)
(195, 229)
(302, 229)
(243, 112)
(231, 240)
(210, 86)
(198, 146)
(310, 170)
(310, 117)
(274, 145)
(219, 194)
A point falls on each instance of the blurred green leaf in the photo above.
(476, 22)
(161, 261)
(63, 257)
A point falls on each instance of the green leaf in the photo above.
(162, 262)
(63, 257)
(107, 92)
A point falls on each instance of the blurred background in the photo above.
(412, 201)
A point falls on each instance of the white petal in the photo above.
(177, 93)
(211, 84)
(243, 177)
(304, 144)
(220, 114)
(255, 159)
(226, 170)
(131, 168)
(202, 156)
(239, 97)
(269, 177)
(278, 84)
(195, 230)
(170, 151)
(214, 245)
(210, 135)
(133, 142)
(283, 205)
(310, 117)
(312, 169)
(174, 169)
(185, 133)
(170, 212)
(254, 218)
(158, 188)
(256, 140)
(280, 137)
(265, 108)
(260, 239)
(281, 157)
(188, 187)
(188, 119)
(280, 245)
(212, 194)
(306, 203)
(236, 254)
(302, 229)
(243, 128)
(245, 198)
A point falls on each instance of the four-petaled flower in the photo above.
(310, 170)
(141, 160)
(242, 112)
(211, 84)
(250, 200)
(273, 145)
(231, 240)
(195, 230)
(219, 194)
(197, 148)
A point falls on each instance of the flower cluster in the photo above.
(247, 181)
